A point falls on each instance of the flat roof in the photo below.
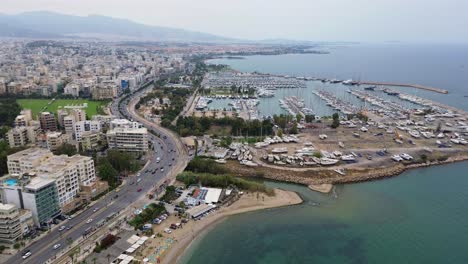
(7, 207)
(213, 194)
(38, 183)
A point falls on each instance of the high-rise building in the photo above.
(35, 194)
(21, 136)
(47, 121)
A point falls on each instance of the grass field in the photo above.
(40, 105)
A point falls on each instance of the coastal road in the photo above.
(173, 159)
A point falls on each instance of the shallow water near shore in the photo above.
(417, 217)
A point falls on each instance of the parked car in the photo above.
(167, 230)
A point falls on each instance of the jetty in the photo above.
(417, 86)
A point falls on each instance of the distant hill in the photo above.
(44, 24)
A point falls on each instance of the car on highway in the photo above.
(62, 228)
(27, 254)
(69, 227)
(56, 246)
(89, 220)
(139, 190)
(162, 169)
(95, 209)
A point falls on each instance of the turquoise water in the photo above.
(418, 217)
(11, 182)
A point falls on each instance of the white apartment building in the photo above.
(24, 161)
(124, 123)
(69, 124)
(128, 139)
(10, 225)
(85, 126)
(68, 173)
(21, 136)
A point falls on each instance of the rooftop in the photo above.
(38, 183)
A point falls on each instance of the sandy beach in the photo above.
(183, 237)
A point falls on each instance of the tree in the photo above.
(336, 120)
(66, 149)
(309, 118)
(280, 132)
(293, 129)
(298, 117)
(107, 173)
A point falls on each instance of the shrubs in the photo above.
(151, 212)
(222, 181)
(205, 166)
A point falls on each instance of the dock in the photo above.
(417, 86)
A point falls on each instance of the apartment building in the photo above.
(47, 121)
(128, 139)
(24, 118)
(22, 136)
(56, 139)
(67, 173)
(85, 126)
(104, 90)
(10, 225)
(69, 124)
(25, 161)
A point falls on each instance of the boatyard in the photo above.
(379, 128)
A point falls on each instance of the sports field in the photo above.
(41, 105)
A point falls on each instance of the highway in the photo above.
(173, 158)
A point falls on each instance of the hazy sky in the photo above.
(328, 20)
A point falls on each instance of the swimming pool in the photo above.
(11, 182)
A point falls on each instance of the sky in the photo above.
(314, 20)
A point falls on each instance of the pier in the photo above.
(417, 86)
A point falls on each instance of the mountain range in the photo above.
(44, 24)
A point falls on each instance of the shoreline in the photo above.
(248, 202)
(318, 180)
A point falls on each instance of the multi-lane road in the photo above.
(173, 158)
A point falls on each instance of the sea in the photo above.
(420, 216)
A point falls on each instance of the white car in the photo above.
(27, 254)
(62, 228)
(89, 220)
(56, 246)
(167, 230)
